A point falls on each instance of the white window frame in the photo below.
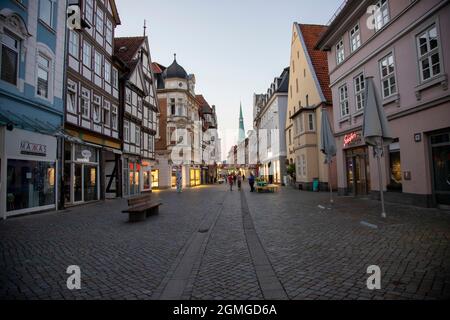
(343, 101)
(106, 113)
(303, 165)
(128, 96)
(97, 109)
(74, 44)
(311, 122)
(114, 117)
(389, 77)
(16, 50)
(381, 15)
(47, 69)
(50, 23)
(107, 71)
(89, 10)
(126, 131)
(340, 51)
(115, 78)
(87, 54)
(137, 139)
(85, 98)
(355, 38)
(99, 20)
(427, 56)
(72, 106)
(359, 83)
(98, 61)
(109, 31)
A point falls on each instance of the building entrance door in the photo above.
(358, 173)
(440, 145)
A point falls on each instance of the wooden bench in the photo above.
(141, 207)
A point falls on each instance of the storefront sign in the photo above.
(33, 149)
(86, 154)
(352, 139)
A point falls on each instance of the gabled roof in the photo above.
(115, 12)
(157, 68)
(319, 59)
(126, 48)
(283, 81)
(204, 105)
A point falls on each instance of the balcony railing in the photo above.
(338, 11)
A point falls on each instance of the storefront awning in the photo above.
(25, 122)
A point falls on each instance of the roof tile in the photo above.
(311, 35)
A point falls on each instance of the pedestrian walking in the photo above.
(251, 182)
(239, 181)
(179, 181)
(230, 182)
(234, 178)
(243, 177)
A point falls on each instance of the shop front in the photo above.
(357, 168)
(146, 176)
(155, 179)
(440, 153)
(82, 173)
(195, 177)
(132, 171)
(28, 172)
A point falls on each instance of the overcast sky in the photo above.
(235, 48)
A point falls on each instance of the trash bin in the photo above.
(316, 184)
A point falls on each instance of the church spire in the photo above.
(241, 126)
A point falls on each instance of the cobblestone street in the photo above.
(209, 243)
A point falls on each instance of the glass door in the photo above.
(90, 183)
(361, 175)
(441, 167)
(78, 183)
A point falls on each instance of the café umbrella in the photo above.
(375, 130)
(327, 146)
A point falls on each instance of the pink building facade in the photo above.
(404, 46)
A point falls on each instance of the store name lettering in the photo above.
(351, 138)
(33, 149)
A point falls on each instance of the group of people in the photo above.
(237, 179)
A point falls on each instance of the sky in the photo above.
(234, 48)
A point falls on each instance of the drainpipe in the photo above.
(61, 204)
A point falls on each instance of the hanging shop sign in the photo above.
(352, 139)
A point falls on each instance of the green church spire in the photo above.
(241, 126)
